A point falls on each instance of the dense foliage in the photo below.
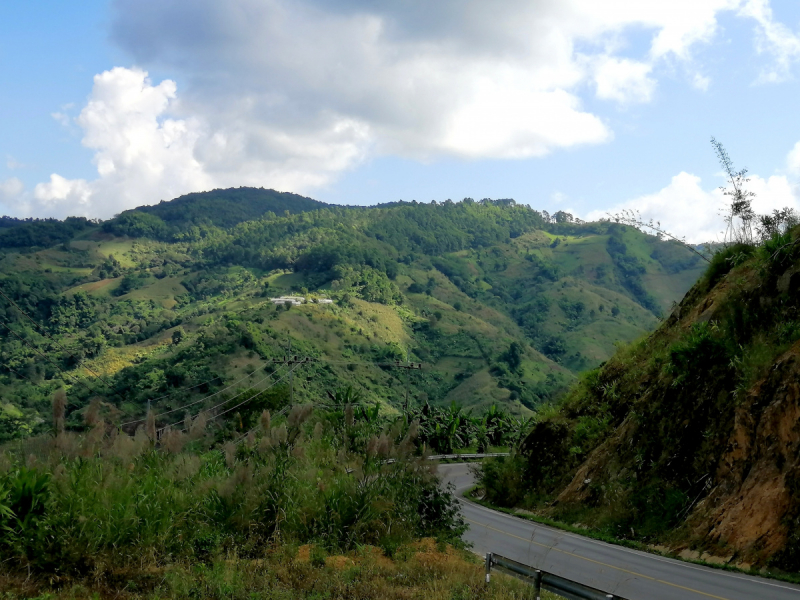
(170, 303)
(650, 444)
(319, 478)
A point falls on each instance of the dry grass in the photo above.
(424, 570)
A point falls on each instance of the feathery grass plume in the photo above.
(372, 447)
(291, 420)
(230, 454)
(59, 410)
(126, 448)
(280, 435)
(349, 415)
(199, 425)
(264, 444)
(251, 439)
(384, 446)
(92, 415)
(5, 463)
(265, 421)
(95, 436)
(173, 441)
(150, 426)
(407, 444)
(186, 466)
(318, 431)
(187, 422)
(113, 432)
(140, 435)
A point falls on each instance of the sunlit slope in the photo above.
(498, 304)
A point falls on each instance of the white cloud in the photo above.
(793, 159)
(10, 189)
(290, 94)
(624, 80)
(142, 155)
(687, 210)
(75, 192)
(773, 38)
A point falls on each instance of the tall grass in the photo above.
(96, 502)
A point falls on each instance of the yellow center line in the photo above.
(597, 562)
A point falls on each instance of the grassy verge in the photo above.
(633, 544)
(423, 569)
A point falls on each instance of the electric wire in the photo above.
(285, 375)
(32, 320)
(194, 402)
(10, 368)
(208, 410)
(281, 412)
(97, 375)
(35, 349)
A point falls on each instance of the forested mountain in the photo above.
(171, 303)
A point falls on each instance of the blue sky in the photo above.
(587, 106)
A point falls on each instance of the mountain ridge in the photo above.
(452, 285)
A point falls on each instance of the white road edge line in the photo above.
(752, 579)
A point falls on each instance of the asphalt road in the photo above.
(628, 573)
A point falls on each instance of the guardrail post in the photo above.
(537, 585)
(488, 566)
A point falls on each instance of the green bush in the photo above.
(722, 262)
(120, 502)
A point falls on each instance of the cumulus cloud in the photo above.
(289, 94)
(688, 210)
(143, 153)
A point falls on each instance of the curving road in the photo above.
(629, 573)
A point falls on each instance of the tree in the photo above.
(740, 216)
(513, 356)
(177, 336)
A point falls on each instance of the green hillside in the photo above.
(688, 437)
(499, 302)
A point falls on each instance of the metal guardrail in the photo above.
(572, 590)
(460, 456)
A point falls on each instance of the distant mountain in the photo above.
(499, 302)
(220, 208)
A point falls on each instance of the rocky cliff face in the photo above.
(691, 437)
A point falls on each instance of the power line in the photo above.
(285, 375)
(10, 368)
(191, 403)
(23, 340)
(27, 316)
(81, 363)
(236, 396)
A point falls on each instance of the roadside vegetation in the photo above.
(660, 443)
(329, 501)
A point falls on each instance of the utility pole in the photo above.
(407, 366)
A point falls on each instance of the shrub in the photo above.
(722, 262)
